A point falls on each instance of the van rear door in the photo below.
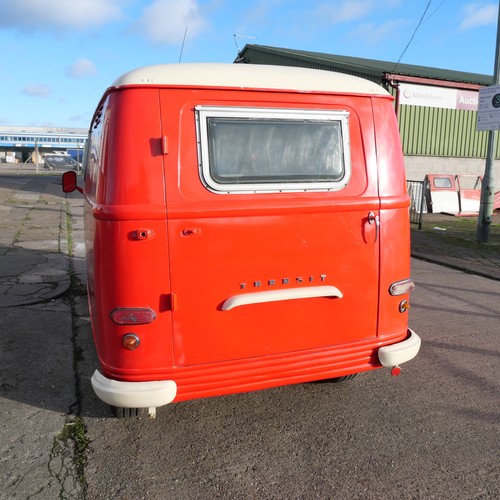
(273, 229)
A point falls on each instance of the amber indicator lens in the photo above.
(404, 306)
(131, 341)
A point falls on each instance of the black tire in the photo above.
(345, 378)
(336, 380)
(119, 412)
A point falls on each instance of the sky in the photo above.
(59, 56)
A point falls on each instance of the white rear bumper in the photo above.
(395, 354)
(133, 394)
(161, 392)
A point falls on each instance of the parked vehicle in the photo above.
(246, 227)
(59, 161)
(455, 194)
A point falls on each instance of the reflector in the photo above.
(132, 315)
(396, 370)
(401, 287)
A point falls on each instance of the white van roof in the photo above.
(249, 76)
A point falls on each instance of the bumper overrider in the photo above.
(391, 356)
(133, 394)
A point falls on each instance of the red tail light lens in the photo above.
(133, 315)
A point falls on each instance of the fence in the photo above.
(416, 192)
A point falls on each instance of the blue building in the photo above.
(19, 144)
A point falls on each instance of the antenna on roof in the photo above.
(235, 36)
(183, 41)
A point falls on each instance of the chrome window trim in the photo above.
(204, 112)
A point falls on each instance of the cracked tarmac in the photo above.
(33, 267)
(38, 390)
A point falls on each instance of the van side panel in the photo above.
(132, 147)
(394, 219)
(125, 196)
(392, 178)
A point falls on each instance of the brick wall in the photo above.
(418, 166)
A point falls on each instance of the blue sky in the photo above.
(58, 56)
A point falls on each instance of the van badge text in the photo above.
(283, 281)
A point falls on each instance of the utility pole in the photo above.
(488, 184)
(36, 156)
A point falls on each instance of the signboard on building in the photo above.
(488, 116)
(438, 97)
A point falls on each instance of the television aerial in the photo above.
(236, 36)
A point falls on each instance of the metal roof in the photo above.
(357, 65)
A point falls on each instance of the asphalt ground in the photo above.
(42, 303)
(57, 441)
(452, 241)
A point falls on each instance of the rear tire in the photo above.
(345, 378)
(336, 380)
(119, 412)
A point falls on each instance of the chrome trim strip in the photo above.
(277, 295)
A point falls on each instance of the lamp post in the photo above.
(488, 184)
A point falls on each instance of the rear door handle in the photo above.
(374, 219)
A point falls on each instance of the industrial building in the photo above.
(20, 144)
(436, 108)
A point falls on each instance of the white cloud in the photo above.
(78, 118)
(333, 13)
(165, 21)
(36, 90)
(81, 68)
(475, 15)
(373, 34)
(52, 14)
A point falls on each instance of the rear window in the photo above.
(263, 149)
(442, 182)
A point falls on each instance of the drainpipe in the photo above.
(391, 82)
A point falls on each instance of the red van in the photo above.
(246, 227)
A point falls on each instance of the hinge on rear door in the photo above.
(168, 302)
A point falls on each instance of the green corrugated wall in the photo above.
(441, 132)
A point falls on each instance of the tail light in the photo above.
(133, 315)
(401, 287)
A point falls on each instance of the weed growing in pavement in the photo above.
(69, 451)
(68, 459)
